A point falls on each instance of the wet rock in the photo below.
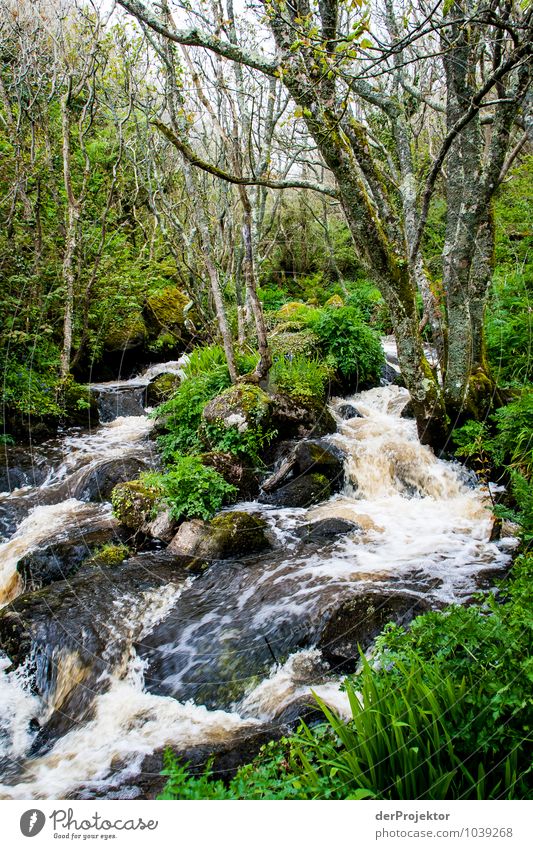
(408, 411)
(300, 492)
(100, 483)
(231, 534)
(61, 560)
(317, 455)
(358, 620)
(388, 374)
(234, 471)
(21, 466)
(163, 527)
(116, 401)
(326, 530)
(75, 631)
(298, 419)
(241, 406)
(134, 503)
(348, 411)
(161, 388)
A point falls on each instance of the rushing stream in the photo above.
(146, 657)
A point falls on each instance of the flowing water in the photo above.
(152, 657)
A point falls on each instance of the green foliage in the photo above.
(368, 301)
(509, 326)
(189, 489)
(300, 377)
(244, 443)
(355, 348)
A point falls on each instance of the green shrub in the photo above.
(206, 376)
(509, 326)
(189, 489)
(300, 377)
(368, 301)
(355, 348)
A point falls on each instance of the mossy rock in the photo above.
(244, 405)
(335, 301)
(161, 388)
(286, 341)
(232, 534)
(125, 332)
(290, 309)
(133, 503)
(166, 309)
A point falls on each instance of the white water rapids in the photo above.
(423, 527)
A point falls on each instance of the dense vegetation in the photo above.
(115, 252)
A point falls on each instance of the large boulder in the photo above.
(76, 631)
(61, 560)
(99, 484)
(134, 503)
(242, 406)
(232, 534)
(298, 419)
(358, 620)
(125, 333)
(301, 492)
(168, 316)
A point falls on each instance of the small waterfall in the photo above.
(189, 662)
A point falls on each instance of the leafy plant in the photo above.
(300, 377)
(355, 348)
(189, 489)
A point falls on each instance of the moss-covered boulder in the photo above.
(134, 503)
(317, 455)
(125, 333)
(167, 315)
(300, 492)
(298, 419)
(232, 534)
(334, 302)
(289, 310)
(242, 406)
(161, 388)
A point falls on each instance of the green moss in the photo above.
(162, 388)
(240, 532)
(126, 332)
(134, 503)
(335, 301)
(244, 399)
(167, 308)
(109, 555)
